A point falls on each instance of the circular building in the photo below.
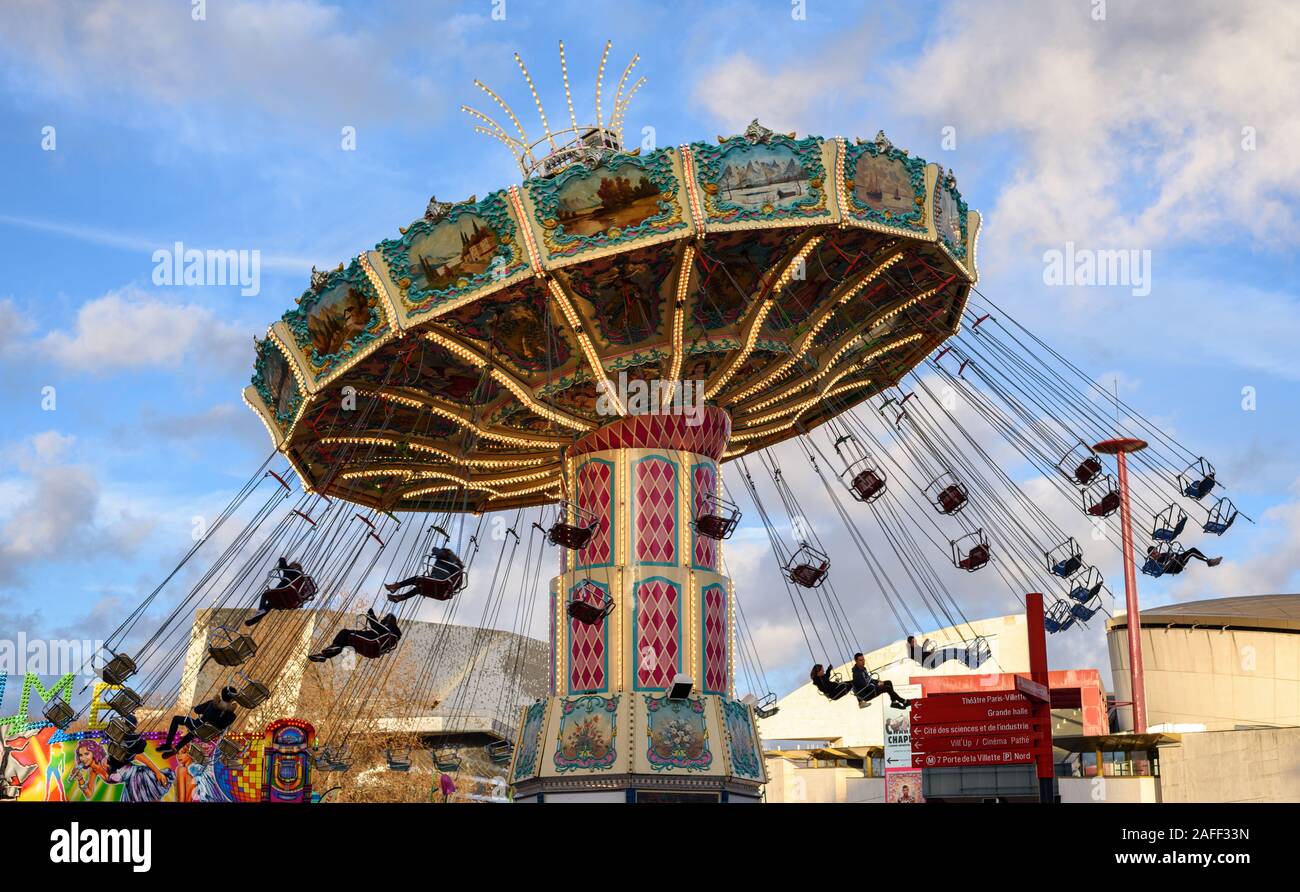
(1218, 665)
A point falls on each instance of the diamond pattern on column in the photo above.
(594, 493)
(586, 651)
(704, 481)
(715, 638)
(658, 604)
(656, 511)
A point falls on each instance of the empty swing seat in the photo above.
(124, 701)
(1086, 470)
(1106, 505)
(400, 761)
(766, 707)
(867, 485)
(1199, 489)
(589, 604)
(1169, 524)
(951, 498)
(717, 518)
(1220, 517)
(447, 762)
(120, 729)
(975, 558)
(570, 535)
(252, 695)
(1068, 567)
(118, 669)
(500, 751)
(58, 713)
(329, 760)
(1083, 612)
(1085, 593)
(232, 650)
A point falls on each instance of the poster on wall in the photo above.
(902, 781)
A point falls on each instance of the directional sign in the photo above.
(927, 713)
(973, 743)
(1033, 690)
(1000, 726)
(957, 760)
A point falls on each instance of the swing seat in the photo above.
(766, 707)
(718, 518)
(58, 713)
(1216, 527)
(1153, 567)
(951, 499)
(587, 613)
(1199, 489)
(500, 751)
(1083, 612)
(1086, 470)
(120, 729)
(1068, 567)
(252, 695)
(1167, 533)
(398, 762)
(228, 750)
(1106, 505)
(809, 575)
(125, 701)
(975, 558)
(441, 589)
(235, 651)
(118, 669)
(207, 732)
(570, 535)
(291, 595)
(867, 485)
(447, 762)
(373, 648)
(1220, 517)
(121, 752)
(1083, 593)
(333, 761)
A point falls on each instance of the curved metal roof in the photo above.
(1280, 613)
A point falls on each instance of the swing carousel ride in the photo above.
(576, 357)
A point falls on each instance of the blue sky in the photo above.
(226, 133)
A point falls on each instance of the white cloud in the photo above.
(127, 329)
(1130, 129)
(55, 510)
(14, 325)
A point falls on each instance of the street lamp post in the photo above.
(1120, 448)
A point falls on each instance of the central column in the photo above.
(644, 479)
(609, 729)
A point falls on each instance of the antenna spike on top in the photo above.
(600, 74)
(541, 112)
(568, 97)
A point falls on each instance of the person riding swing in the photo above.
(378, 638)
(295, 588)
(867, 687)
(442, 577)
(832, 690)
(1174, 562)
(218, 713)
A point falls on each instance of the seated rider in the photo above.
(133, 743)
(1174, 563)
(378, 638)
(219, 712)
(867, 688)
(821, 680)
(289, 574)
(442, 563)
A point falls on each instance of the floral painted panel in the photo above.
(588, 734)
(677, 735)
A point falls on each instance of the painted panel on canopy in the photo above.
(842, 254)
(577, 396)
(701, 361)
(474, 249)
(520, 326)
(420, 364)
(275, 383)
(341, 319)
(628, 200)
(514, 416)
(622, 296)
(907, 278)
(885, 188)
(950, 216)
(730, 268)
(769, 180)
